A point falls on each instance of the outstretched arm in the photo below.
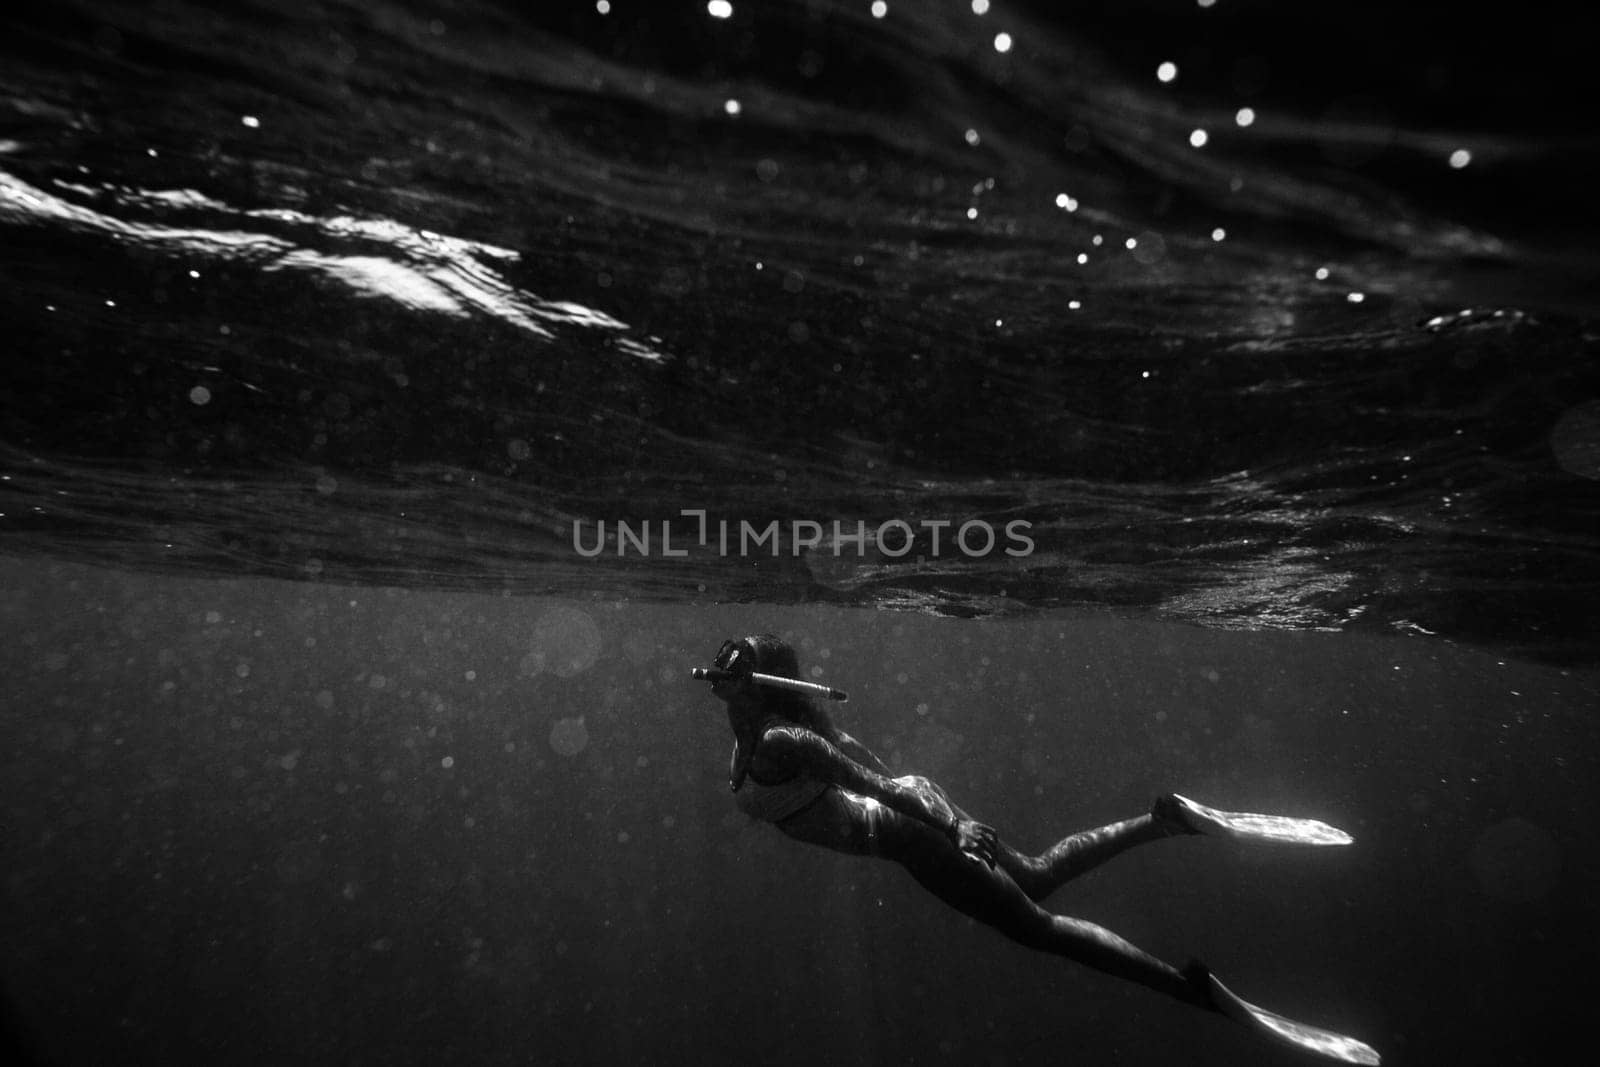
(802, 751)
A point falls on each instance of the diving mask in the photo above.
(727, 665)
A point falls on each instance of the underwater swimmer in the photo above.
(793, 768)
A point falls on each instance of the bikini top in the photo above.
(769, 801)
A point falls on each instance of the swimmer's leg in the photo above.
(1078, 853)
(1041, 875)
(992, 896)
(848, 823)
(1171, 815)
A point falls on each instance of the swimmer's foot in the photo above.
(1274, 1027)
(1182, 815)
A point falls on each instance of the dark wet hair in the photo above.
(774, 655)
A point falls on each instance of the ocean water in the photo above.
(399, 398)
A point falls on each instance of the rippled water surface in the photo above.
(399, 295)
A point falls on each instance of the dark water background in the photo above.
(327, 323)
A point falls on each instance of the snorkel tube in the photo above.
(794, 685)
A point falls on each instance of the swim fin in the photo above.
(1275, 1027)
(1246, 825)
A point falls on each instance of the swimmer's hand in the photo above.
(977, 840)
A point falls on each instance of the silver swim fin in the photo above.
(1200, 819)
(1275, 1027)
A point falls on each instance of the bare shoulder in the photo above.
(786, 739)
(795, 748)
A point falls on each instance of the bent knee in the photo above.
(924, 785)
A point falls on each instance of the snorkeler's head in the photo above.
(756, 654)
(773, 655)
(780, 690)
